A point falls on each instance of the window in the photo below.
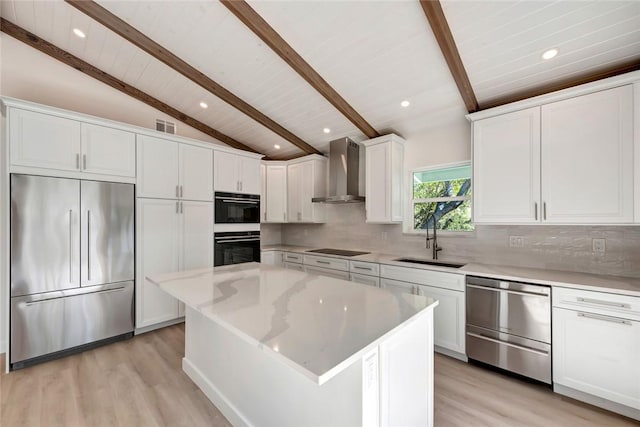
(443, 195)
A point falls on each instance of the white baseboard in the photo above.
(215, 395)
(597, 401)
(450, 353)
(139, 331)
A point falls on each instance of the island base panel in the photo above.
(253, 388)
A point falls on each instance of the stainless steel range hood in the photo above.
(344, 162)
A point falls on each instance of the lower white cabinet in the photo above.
(449, 315)
(293, 266)
(596, 346)
(365, 279)
(171, 235)
(271, 257)
(328, 272)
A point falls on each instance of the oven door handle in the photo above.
(237, 240)
(231, 200)
(511, 291)
(508, 344)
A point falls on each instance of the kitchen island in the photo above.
(276, 347)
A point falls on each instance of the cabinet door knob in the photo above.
(535, 210)
(177, 191)
(181, 191)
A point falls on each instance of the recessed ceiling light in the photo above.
(326, 130)
(204, 105)
(277, 147)
(79, 33)
(550, 54)
(405, 104)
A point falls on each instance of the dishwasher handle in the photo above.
(511, 291)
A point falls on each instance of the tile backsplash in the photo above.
(543, 246)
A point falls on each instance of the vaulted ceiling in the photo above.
(279, 72)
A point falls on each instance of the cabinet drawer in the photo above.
(293, 266)
(327, 272)
(368, 268)
(622, 306)
(365, 279)
(437, 279)
(326, 262)
(292, 257)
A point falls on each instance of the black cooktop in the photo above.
(340, 252)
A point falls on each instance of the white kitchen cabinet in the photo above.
(236, 173)
(506, 168)
(276, 193)
(108, 151)
(449, 317)
(564, 162)
(306, 179)
(43, 141)
(587, 158)
(327, 272)
(293, 266)
(384, 165)
(195, 173)
(293, 257)
(170, 170)
(596, 343)
(365, 279)
(447, 288)
(171, 235)
(271, 257)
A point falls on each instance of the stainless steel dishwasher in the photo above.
(509, 326)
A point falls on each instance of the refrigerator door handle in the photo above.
(71, 246)
(88, 245)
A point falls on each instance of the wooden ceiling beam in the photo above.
(267, 34)
(438, 22)
(137, 38)
(618, 69)
(65, 57)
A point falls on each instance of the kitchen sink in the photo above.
(431, 262)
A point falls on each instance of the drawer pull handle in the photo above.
(509, 291)
(605, 318)
(607, 303)
(323, 262)
(363, 268)
(508, 344)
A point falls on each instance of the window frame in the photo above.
(408, 222)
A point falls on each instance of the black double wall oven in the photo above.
(237, 228)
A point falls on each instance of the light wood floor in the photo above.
(139, 382)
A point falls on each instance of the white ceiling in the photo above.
(374, 53)
(501, 42)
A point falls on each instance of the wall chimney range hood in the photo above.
(344, 163)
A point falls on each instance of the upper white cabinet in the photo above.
(236, 173)
(506, 168)
(169, 170)
(564, 162)
(587, 158)
(108, 151)
(384, 178)
(306, 179)
(41, 140)
(275, 196)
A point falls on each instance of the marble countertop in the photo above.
(569, 279)
(317, 325)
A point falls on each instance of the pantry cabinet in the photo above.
(39, 140)
(384, 176)
(171, 170)
(564, 162)
(236, 173)
(171, 235)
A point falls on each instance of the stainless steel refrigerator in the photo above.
(72, 265)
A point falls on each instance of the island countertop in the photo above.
(317, 325)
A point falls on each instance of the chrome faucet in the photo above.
(436, 247)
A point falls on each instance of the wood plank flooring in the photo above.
(139, 382)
